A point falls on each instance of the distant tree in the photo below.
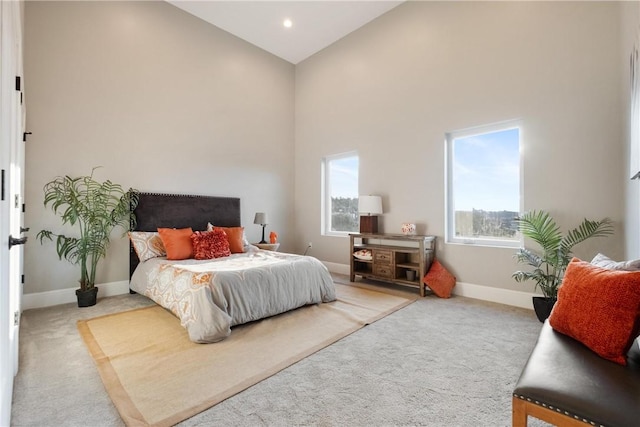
(493, 223)
(344, 214)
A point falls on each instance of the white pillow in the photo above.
(604, 261)
(147, 244)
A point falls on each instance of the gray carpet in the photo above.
(436, 363)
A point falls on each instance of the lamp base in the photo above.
(263, 241)
(368, 224)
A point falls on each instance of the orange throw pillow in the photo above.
(177, 242)
(439, 280)
(599, 308)
(234, 236)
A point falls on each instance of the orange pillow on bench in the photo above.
(599, 308)
(439, 280)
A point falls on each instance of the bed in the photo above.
(211, 296)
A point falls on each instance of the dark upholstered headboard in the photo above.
(182, 211)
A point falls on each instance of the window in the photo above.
(340, 194)
(483, 185)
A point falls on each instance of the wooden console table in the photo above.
(395, 258)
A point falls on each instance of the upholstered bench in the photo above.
(566, 384)
(585, 367)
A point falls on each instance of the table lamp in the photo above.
(369, 207)
(261, 219)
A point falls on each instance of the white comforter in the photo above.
(209, 297)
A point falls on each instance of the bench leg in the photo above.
(521, 409)
(518, 412)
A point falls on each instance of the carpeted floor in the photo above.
(435, 362)
(131, 347)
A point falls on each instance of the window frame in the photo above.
(325, 217)
(449, 205)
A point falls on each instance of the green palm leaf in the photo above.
(585, 231)
(95, 208)
(541, 228)
(550, 265)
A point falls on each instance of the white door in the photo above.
(11, 197)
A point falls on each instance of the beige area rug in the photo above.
(156, 376)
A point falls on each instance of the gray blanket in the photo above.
(209, 297)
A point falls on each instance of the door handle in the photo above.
(13, 241)
(24, 229)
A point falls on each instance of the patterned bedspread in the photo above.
(209, 297)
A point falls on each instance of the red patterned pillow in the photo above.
(599, 308)
(439, 280)
(210, 244)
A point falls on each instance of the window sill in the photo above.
(338, 234)
(484, 244)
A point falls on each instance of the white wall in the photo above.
(164, 102)
(629, 29)
(393, 88)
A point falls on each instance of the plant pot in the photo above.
(87, 298)
(543, 306)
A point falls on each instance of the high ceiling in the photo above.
(315, 24)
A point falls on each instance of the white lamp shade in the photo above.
(370, 205)
(261, 218)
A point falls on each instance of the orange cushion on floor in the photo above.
(599, 308)
(439, 280)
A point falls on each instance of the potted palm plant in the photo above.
(551, 262)
(95, 208)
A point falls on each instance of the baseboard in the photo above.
(499, 295)
(64, 296)
(481, 292)
(337, 268)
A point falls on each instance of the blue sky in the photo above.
(486, 170)
(344, 177)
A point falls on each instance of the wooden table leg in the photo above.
(519, 413)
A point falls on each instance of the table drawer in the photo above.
(383, 270)
(382, 257)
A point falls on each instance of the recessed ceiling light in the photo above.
(287, 23)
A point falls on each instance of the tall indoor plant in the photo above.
(551, 262)
(95, 208)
